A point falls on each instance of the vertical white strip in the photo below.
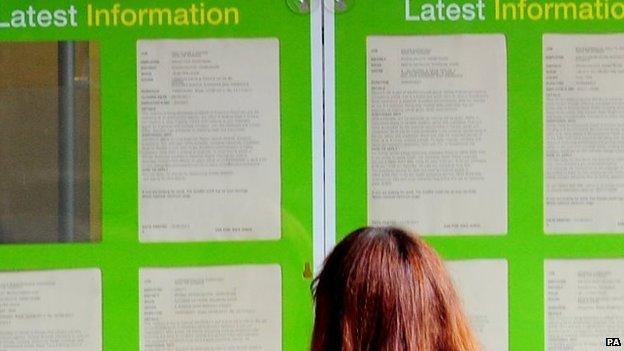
(318, 180)
(330, 124)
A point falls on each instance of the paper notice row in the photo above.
(240, 307)
(209, 135)
(437, 133)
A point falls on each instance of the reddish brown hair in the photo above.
(383, 289)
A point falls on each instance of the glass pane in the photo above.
(49, 192)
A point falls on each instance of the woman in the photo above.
(382, 289)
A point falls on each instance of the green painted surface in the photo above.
(119, 255)
(525, 246)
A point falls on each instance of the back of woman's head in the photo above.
(383, 289)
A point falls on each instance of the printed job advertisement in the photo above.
(209, 139)
(51, 310)
(211, 308)
(583, 133)
(584, 303)
(482, 286)
(437, 133)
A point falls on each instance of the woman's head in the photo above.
(383, 289)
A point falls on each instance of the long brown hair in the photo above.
(384, 289)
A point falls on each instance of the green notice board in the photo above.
(111, 30)
(523, 244)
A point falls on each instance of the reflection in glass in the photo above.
(49, 142)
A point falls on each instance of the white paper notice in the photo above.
(482, 286)
(437, 133)
(583, 133)
(211, 309)
(584, 303)
(51, 310)
(209, 136)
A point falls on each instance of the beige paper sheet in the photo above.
(437, 133)
(209, 139)
(482, 286)
(584, 303)
(212, 308)
(51, 310)
(583, 133)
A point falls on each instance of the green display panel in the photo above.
(109, 237)
(523, 242)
